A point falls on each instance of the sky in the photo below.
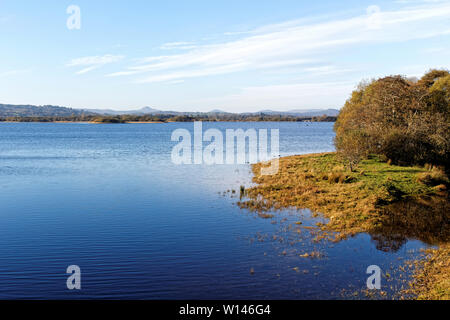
(200, 55)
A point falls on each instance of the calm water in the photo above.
(109, 199)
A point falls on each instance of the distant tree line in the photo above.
(168, 118)
(407, 121)
(39, 111)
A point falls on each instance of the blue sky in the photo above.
(200, 55)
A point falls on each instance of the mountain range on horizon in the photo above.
(152, 111)
(8, 110)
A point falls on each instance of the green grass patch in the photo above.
(354, 201)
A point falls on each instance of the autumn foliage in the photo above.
(406, 122)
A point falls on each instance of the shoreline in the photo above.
(331, 189)
(377, 199)
(161, 122)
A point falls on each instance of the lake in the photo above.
(109, 199)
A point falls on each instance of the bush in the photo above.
(430, 78)
(404, 121)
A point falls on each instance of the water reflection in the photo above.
(427, 220)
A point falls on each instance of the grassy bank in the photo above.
(352, 201)
(432, 276)
(381, 199)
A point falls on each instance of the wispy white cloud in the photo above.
(296, 95)
(326, 70)
(93, 62)
(295, 43)
(182, 45)
(180, 75)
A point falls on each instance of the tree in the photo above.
(405, 121)
(431, 77)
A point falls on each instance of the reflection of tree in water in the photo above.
(389, 243)
(427, 220)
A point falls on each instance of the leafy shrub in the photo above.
(404, 121)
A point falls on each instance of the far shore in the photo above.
(160, 122)
(85, 122)
(139, 122)
(88, 122)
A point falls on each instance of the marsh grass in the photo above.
(392, 203)
(353, 201)
(431, 279)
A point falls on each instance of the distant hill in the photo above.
(152, 111)
(8, 110)
(139, 112)
(304, 113)
(217, 111)
(316, 112)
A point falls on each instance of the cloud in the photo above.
(184, 45)
(297, 95)
(326, 70)
(223, 69)
(93, 62)
(294, 43)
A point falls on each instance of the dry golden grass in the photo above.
(432, 277)
(410, 201)
(352, 201)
